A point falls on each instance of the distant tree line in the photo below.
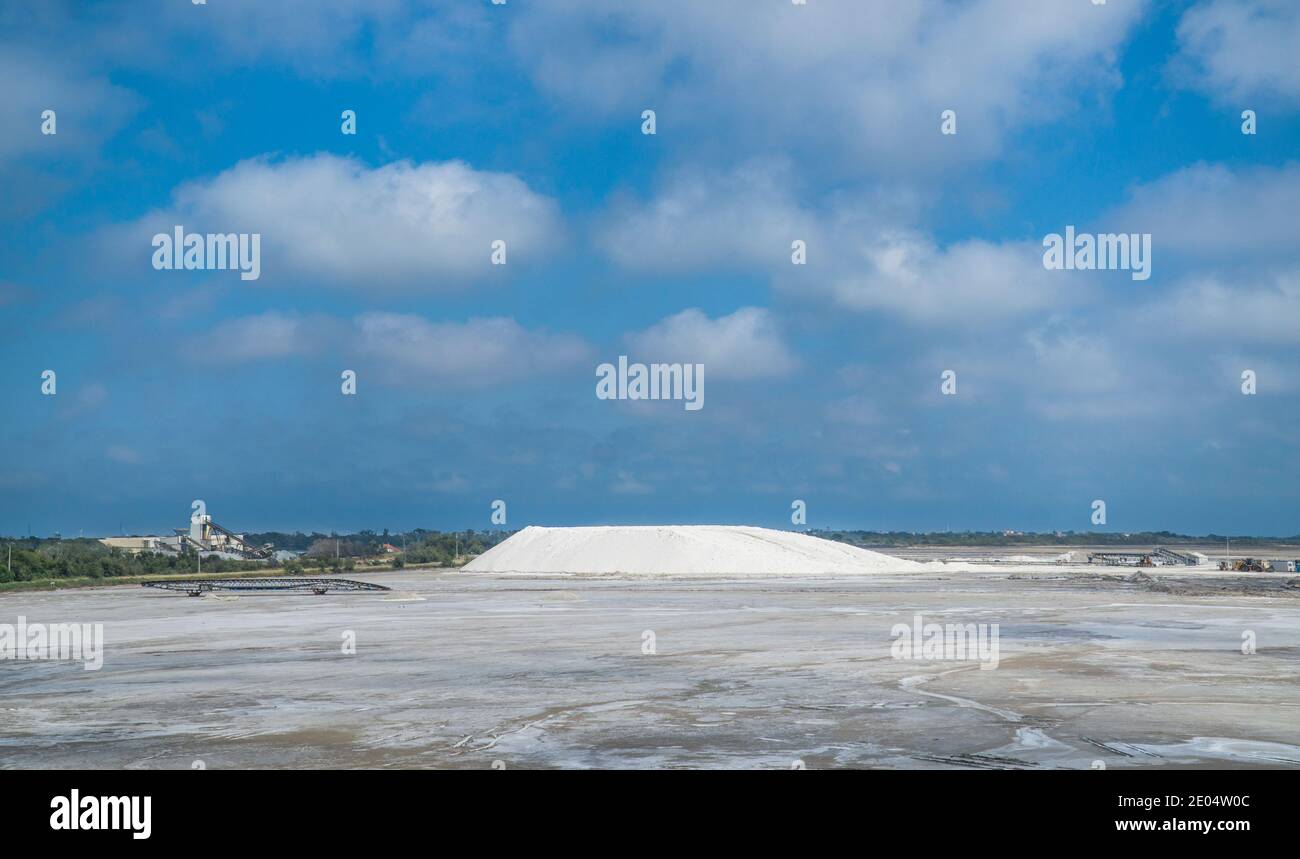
(36, 560)
(43, 559)
(441, 547)
(419, 546)
(888, 539)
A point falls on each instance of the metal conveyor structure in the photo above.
(197, 587)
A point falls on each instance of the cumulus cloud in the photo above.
(89, 109)
(866, 80)
(1090, 370)
(747, 344)
(1060, 367)
(397, 348)
(703, 218)
(858, 255)
(908, 274)
(323, 218)
(1210, 210)
(37, 169)
(863, 80)
(1238, 50)
(407, 349)
(1229, 236)
(316, 38)
(1264, 311)
(263, 336)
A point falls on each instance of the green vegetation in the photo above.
(81, 561)
(887, 539)
(419, 546)
(43, 560)
(39, 560)
(451, 549)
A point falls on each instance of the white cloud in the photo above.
(1263, 312)
(396, 348)
(1242, 50)
(746, 344)
(1064, 368)
(263, 336)
(408, 349)
(1209, 210)
(1230, 237)
(1273, 375)
(907, 274)
(325, 40)
(706, 219)
(858, 258)
(862, 80)
(329, 219)
(316, 38)
(1076, 364)
(88, 109)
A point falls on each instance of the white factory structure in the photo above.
(203, 536)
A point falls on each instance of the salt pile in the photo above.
(679, 550)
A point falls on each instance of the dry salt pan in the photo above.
(680, 550)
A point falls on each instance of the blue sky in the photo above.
(775, 123)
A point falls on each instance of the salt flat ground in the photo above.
(462, 670)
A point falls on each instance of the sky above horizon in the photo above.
(774, 123)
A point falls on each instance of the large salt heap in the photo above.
(679, 550)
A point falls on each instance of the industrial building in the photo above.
(204, 537)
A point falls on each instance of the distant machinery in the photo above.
(1246, 565)
(1259, 565)
(1157, 557)
(1121, 559)
(1171, 558)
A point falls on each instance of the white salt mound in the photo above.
(679, 550)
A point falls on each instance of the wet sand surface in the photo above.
(1096, 668)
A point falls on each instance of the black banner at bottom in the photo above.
(144, 810)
